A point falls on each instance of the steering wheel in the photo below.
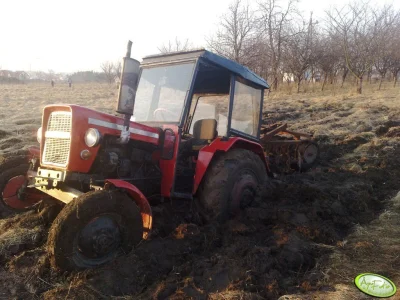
(161, 112)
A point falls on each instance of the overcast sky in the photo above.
(72, 35)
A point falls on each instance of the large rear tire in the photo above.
(15, 197)
(231, 184)
(94, 229)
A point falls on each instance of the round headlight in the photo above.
(92, 137)
(39, 135)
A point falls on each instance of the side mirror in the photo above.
(128, 86)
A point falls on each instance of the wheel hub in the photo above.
(99, 238)
(243, 193)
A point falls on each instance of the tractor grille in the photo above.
(57, 139)
(60, 121)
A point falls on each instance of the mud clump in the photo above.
(22, 254)
(3, 134)
(386, 127)
(26, 231)
(393, 132)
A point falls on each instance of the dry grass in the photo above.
(327, 114)
(26, 230)
(11, 240)
(372, 248)
(358, 133)
(343, 118)
(234, 295)
(21, 107)
(377, 240)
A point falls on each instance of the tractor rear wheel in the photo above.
(231, 184)
(94, 229)
(15, 196)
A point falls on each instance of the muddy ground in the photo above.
(307, 238)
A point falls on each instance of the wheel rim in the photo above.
(243, 192)
(17, 196)
(100, 239)
(310, 153)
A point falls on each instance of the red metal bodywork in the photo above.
(85, 118)
(11, 190)
(168, 166)
(207, 153)
(140, 200)
(34, 152)
(13, 186)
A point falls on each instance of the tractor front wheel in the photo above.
(231, 184)
(15, 196)
(94, 229)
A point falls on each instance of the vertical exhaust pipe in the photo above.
(127, 91)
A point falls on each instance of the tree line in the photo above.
(280, 44)
(274, 39)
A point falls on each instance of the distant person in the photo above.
(52, 83)
(69, 82)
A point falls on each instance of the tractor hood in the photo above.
(65, 126)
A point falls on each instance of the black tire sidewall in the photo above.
(233, 177)
(215, 190)
(75, 216)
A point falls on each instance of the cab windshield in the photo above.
(161, 93)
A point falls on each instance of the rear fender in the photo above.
(140, 200)
(207, 153)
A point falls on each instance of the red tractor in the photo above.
(191, 130)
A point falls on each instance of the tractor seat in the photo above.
(204, 131)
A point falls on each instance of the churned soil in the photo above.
(307, 238)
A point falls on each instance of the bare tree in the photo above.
(394, 63)
(382, 64)
(387, 21)
(108, 69)
(344, 70)
(174, 46)
(117, 69)
(51, 75)
(299, 52)
(328, 58)
(236, 33)
(354, 24)
(258, 56)
(275, 23)
(273, 41)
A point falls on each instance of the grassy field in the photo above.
(307, 239)
(22, 105)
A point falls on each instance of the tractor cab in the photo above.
(199, 99)
(187, 87)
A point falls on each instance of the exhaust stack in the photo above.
(127, 91)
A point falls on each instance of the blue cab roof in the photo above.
(215, 59)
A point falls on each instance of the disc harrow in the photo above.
(287, 150)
